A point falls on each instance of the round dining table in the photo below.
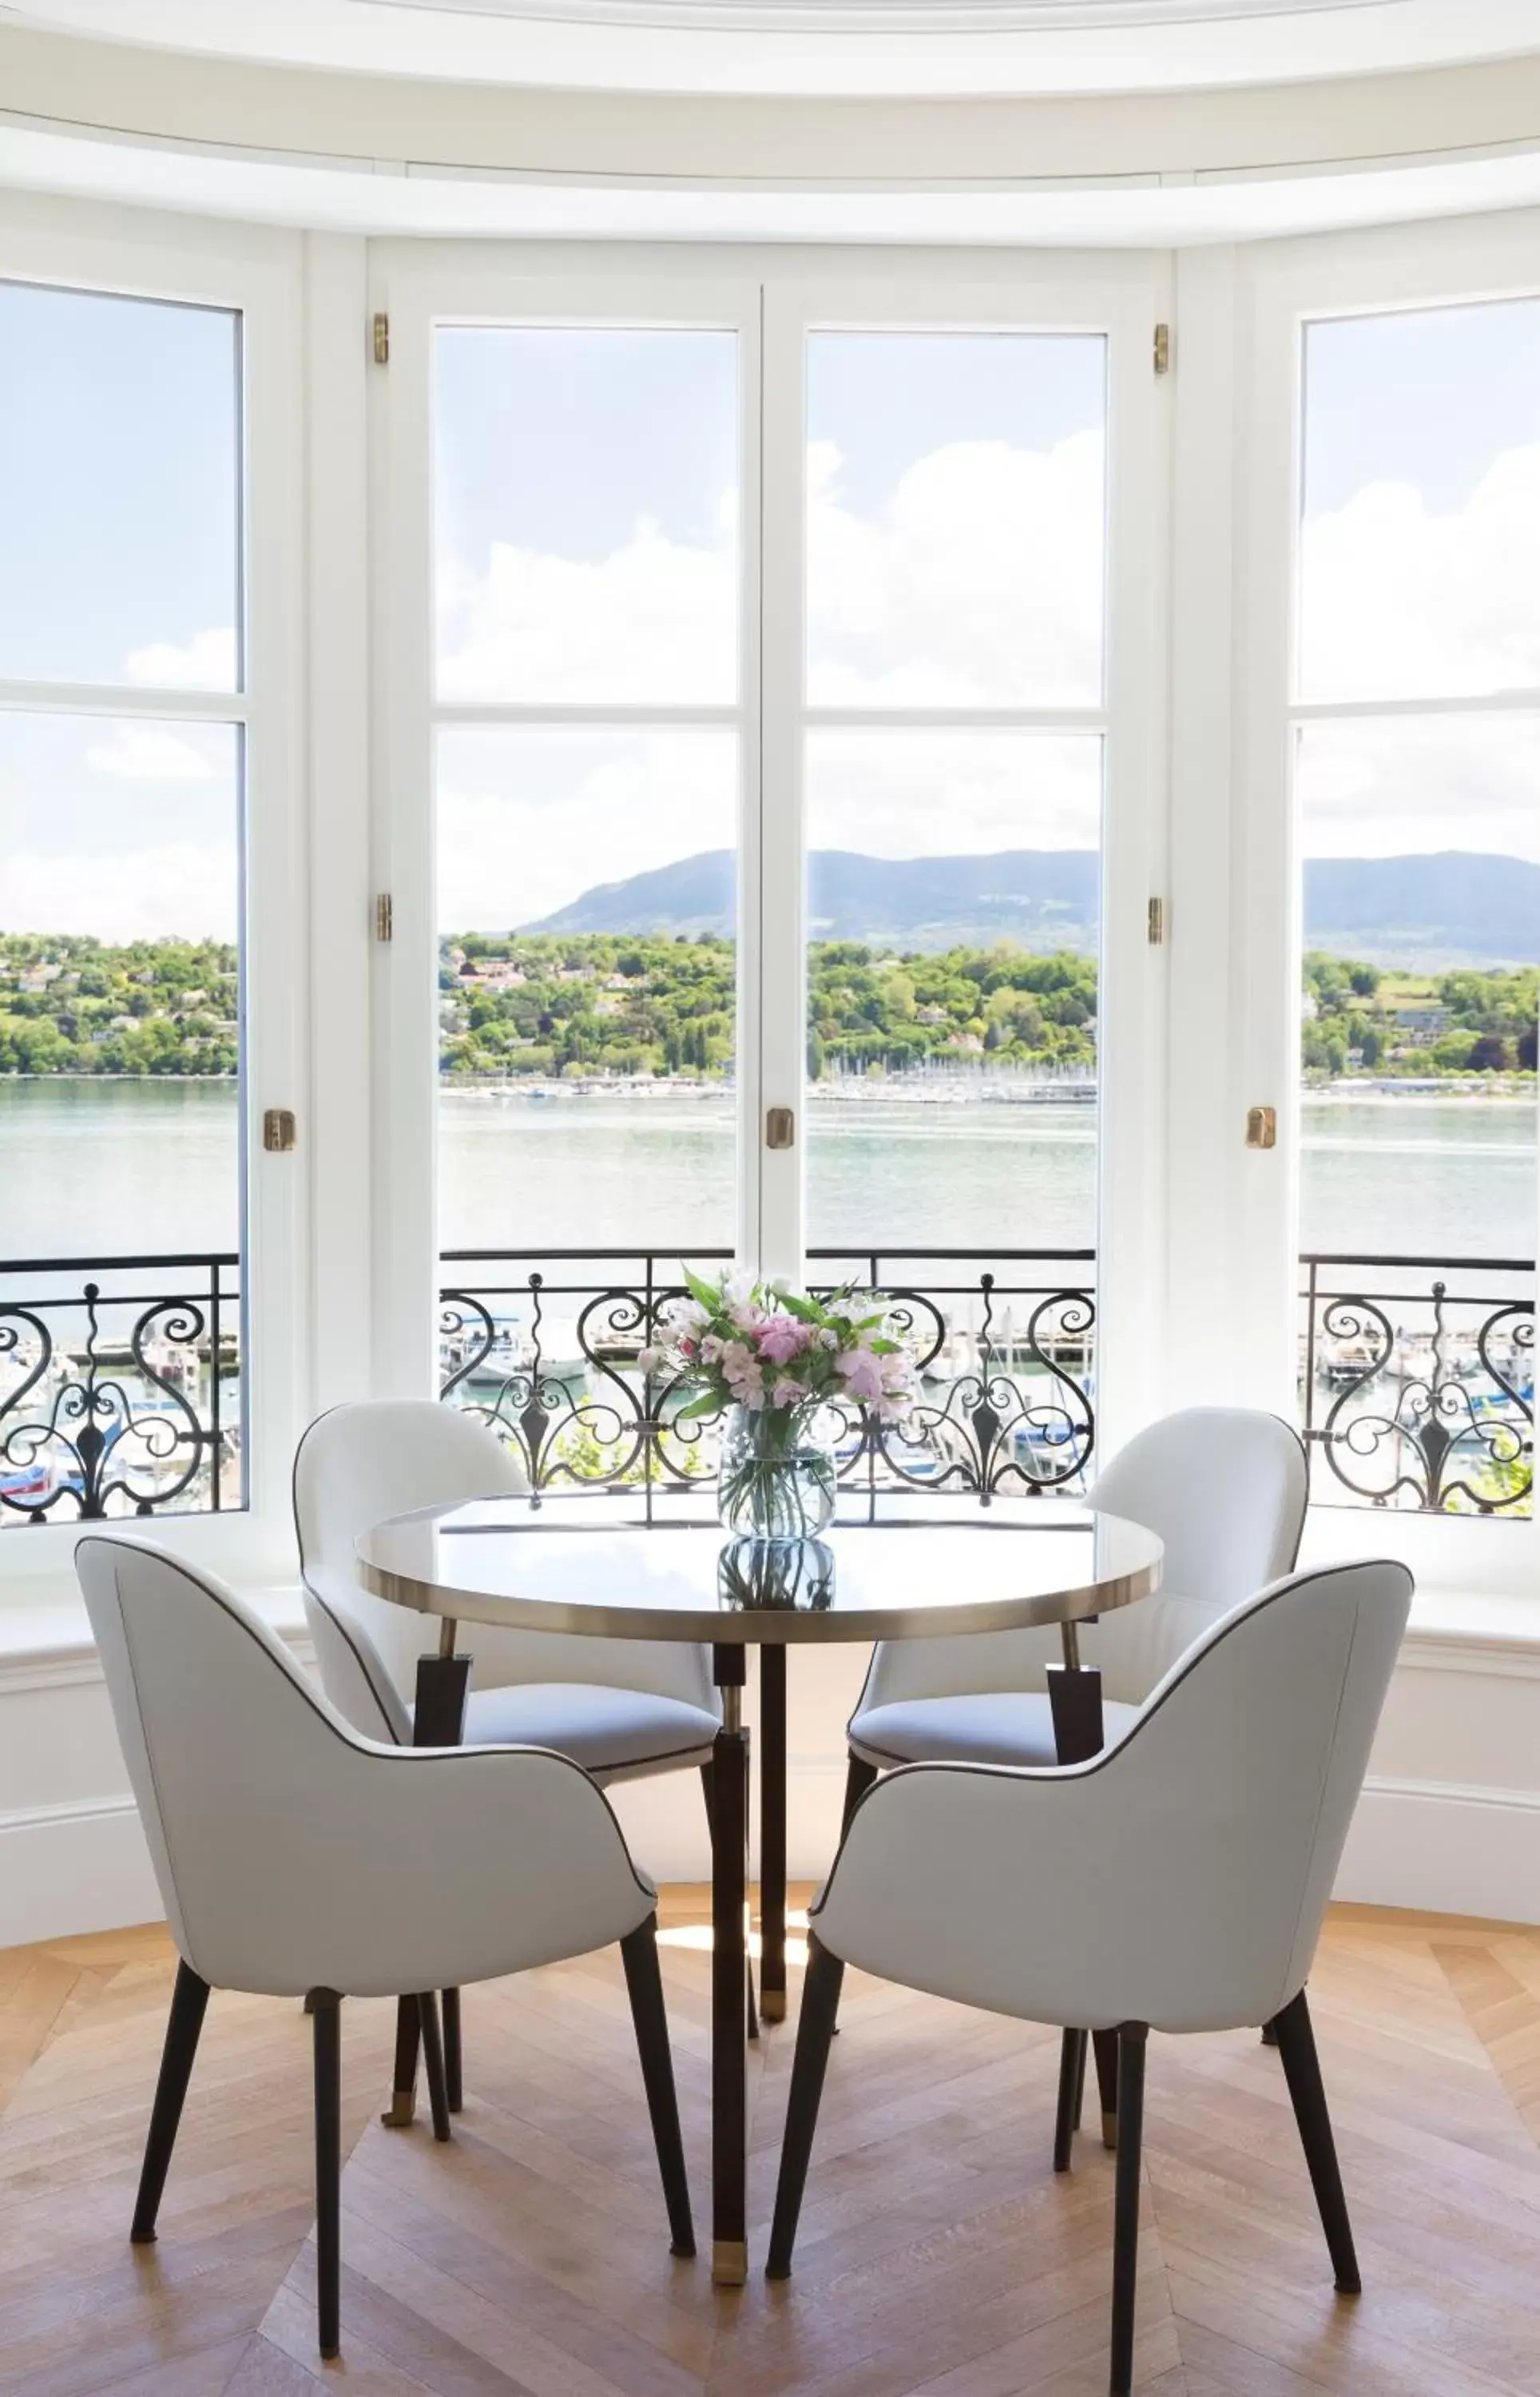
(637, 1565)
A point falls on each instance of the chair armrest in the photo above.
(375, 1870)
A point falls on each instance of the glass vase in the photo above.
(776, 1477)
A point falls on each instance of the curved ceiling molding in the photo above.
(858, 47)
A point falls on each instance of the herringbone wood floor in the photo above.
(938, 2253)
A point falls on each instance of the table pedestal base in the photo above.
(729, 1975)
(438, 1720)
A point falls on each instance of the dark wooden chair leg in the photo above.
(1131, 2039)
(403, 2106)
(1297, 2050)
(1071, 2092)
(1104, 2044)
(1269, 2035)
(188, 2005)
(859, 1777)
(644, 1987)
(454, 2070)
(814, 2030)
(432, 2060)
(326, 2024)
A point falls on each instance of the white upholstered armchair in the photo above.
(296, 1858)
(1175, 1883)
(621, 1709)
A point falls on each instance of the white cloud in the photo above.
(952, 794)
(181, 888)
(206, 662)
(1401, 602)
(1373, 788)
(527, 822)
(653, 622)
(978, 581)
(156, 752)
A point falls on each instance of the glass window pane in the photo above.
(119, 490)
(953, 914)
(120, 1112)
(586, 515)
(956, 520)
(1421, 915)
(587, 915)
(1421, 503)
(1421, 842)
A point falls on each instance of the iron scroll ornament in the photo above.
(98, 1441)
(1434, 1421)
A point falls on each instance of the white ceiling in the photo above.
(852, 47)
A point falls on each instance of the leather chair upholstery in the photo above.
(297, 1858)
(1175, 1883)
(1225, 1489)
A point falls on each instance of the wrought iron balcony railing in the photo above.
(544, 1347)
(1418, 1382)
(120, 1387)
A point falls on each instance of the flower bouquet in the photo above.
(772, 1363)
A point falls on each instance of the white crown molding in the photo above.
(1048, 47)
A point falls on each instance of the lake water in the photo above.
(105, 1168)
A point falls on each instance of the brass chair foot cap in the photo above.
(1110, 2134)
(399, 2114)
(773, 2006)
(729, 2262)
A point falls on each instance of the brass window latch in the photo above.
(780, 1127)
(1261, 1127)
(278, 1130)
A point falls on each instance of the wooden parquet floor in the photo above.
(938, 2257)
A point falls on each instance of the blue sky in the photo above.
(119, 431)
(588, 549)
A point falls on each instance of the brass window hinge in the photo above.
(278, 1130)
(780, 1127)
(1162, 349)
(382, 340)
(1261, 1127)
(384, 917)
(1155, 923)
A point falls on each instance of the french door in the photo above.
(772, 809)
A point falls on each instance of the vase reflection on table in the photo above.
(758, 1575)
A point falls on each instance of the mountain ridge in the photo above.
(1439, 907)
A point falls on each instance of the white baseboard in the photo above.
(1442, 1848)
(1436, 1847)
(83, 1866)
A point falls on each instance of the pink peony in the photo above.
(861, 1374)
(781, 1337)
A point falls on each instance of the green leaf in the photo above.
(709, 1404)
(806, 1310)
(701, 1291)
(886, 1347)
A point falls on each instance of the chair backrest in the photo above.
(360, 1464)
(1224, 1488)
(1181, 1878)
(291, 1854)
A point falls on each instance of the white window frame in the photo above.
(1118, 295)
(1119, 298)
(1282, 288)
(259, 274)
(418, 290)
